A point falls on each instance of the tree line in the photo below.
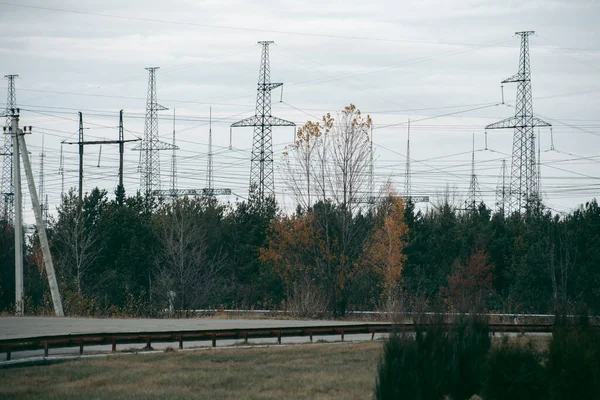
(340, 250)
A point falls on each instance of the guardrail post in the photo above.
(180, 342)
(342, 334)
(114, 344)
(81, 348)
(8, 356)
(148, 344)
(373, 334)
(45, 349)
(214, 340)
(310, 332)
(278, 337)
(245, 337)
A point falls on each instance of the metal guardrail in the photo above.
(9, 346)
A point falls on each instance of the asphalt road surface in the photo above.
(24, 327)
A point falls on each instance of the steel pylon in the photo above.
(523, 190)
(261, 166)
(474, 196)
(151, 144)
(502, 190)
(7, 187)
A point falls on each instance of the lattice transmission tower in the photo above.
(261, 166)
(474, 196)
(407, 166)
(151, 145)
(523, 190)
(502, 190)
(7, 187)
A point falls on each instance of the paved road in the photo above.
(19, 327)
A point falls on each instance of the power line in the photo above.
(261, 30)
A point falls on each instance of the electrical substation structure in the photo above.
(523, 187)
(82, 143)
(208, 191)
(407, 175)
(261, 164)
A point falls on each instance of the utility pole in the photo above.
(7, 182)
(474, 197)
(82, 143)
(121, 149)
(539, 167)
(261, 164)
(209, 166)
(18, 211)
(371, 170)
(20, 148)
(523, 190)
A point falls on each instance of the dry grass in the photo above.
(317, 371)
(540, 343)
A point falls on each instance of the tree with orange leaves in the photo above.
(298, 255)
(384, 250)
(471, 283)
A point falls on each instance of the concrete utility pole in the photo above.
(18, 213)
(20, 148)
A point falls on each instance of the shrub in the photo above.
(514, 372)
(438, 361)
(470, 341)
(397, 373)
(574, 362)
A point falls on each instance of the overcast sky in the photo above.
(394, 60)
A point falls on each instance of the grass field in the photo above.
(315, 371)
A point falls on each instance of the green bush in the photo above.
(574, 362)
(436, 362)
(397, 374)
(456, 361)
(470, 341)
(514, 372)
